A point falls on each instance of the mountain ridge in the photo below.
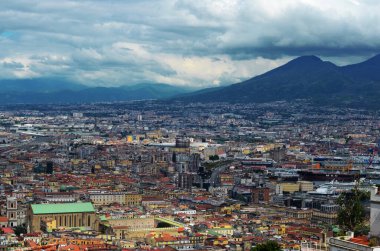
(41, 91)
(305, 77)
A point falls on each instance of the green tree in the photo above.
(20, 229)
(267, 246)
(214, 157)
(351, 214)
(374, 242)
(348, 139)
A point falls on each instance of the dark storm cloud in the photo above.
(176, 41)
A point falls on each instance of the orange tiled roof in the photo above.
(362, 240)
(3, 219)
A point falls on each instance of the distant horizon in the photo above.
(184, 43)
(185, 87)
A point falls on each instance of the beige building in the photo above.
(100, 198)
(137, 228)
(289, 187)
(133, 199)
(299, 213)
(306, 186)
(68, 215)
(299, 186)
(106, 198)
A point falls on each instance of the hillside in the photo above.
(306, 77)
(42, 91)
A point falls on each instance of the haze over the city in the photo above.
(187, 43)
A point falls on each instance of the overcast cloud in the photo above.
(193, 43)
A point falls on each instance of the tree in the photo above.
(20, 229)
(49, 167)
(374, 241)
(267, 246)
(214, 157)
(351, 214)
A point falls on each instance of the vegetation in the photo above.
(21, 229)
(351, 215)
(212, 165)
(374, 242)
(267, 246)
(214, 157)
(43, 90)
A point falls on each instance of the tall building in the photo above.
(194, 162)
(278, 153)
(260, 194)
(185, 181)
(12, 211)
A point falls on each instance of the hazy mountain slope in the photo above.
(306, 77)
(53, 91)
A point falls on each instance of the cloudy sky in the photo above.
(190, 43)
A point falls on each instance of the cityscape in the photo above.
(179, 125)
(176, 176)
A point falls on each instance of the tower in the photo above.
(12, 211)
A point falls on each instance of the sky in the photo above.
(195, 43)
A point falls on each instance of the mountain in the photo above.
(306, 77)
(41, 91)
(367, 70)
(41, 85)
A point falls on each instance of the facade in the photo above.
(342, 244)
(185, 181)
(260, 194)
(306, 186)
(136, 228)
(299, 214)
(106, 198)
(100, 198)
(289, 187)
(68, 215)
(194, 162)
(327, 214)
(15, 213)
(57, 197)
(325, 217)
(133, 199)
(375, 212)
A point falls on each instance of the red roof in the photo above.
(200, 198)
(7, 230)
(3, 219)
(362, 240)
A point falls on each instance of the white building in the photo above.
(188, 212)
(341, 244)
(375, 212)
